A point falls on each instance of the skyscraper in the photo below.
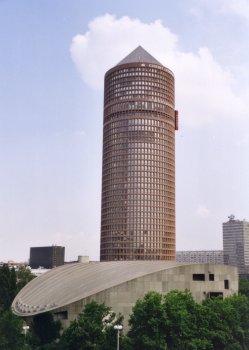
(236, 244)
(138, 174)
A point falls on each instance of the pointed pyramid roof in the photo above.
(139, 55)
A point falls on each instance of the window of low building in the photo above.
(226, 284)
(211, 277)
(62, 315)
(198, 277)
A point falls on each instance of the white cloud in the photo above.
(202, 212)
(205, 91)
(109, 39)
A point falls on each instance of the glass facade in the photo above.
(138, 174)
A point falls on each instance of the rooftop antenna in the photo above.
(231, 217)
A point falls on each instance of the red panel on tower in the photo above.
(176, 120)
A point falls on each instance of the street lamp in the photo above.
(118, 328)
(25, 330)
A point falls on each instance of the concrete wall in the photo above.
(123, 297)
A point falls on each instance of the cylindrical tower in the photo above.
(138, 174)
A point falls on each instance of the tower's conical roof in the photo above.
(139, 55)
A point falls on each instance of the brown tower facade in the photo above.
(138, 174)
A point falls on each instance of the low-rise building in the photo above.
(200, 256)
(65, 290)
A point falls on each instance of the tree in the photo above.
(11, 332)
(185, 328)
(44, 329)
(228, 322)
(239, 323)
(244, 287)
(176, 322)
(23, 276)
(11, 282)
(8, 287)
(148, 322)
(93, 330)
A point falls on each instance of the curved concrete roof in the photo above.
(69, 283)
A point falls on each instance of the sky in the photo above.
(52, 62)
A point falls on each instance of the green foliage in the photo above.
(148, 322)
(228, 322)
(170, 322)
(11, 282)
(177, 322)
(93, 330)
(185, 328)
(244, 287)
(44, 329)
(11, 332)
(8, 286)
(23, 276)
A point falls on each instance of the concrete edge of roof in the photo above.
(50, 274)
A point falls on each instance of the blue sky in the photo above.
(52, 61)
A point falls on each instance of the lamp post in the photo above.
(118, 327)
(25, 330)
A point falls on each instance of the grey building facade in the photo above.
(236, 244)
(200, 256)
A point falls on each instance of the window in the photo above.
(226, 284)
(198, 277)
(211, 277)
(60, 316)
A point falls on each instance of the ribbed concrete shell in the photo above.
(69, 283)
(118, 284)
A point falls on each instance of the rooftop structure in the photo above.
(139, 55)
